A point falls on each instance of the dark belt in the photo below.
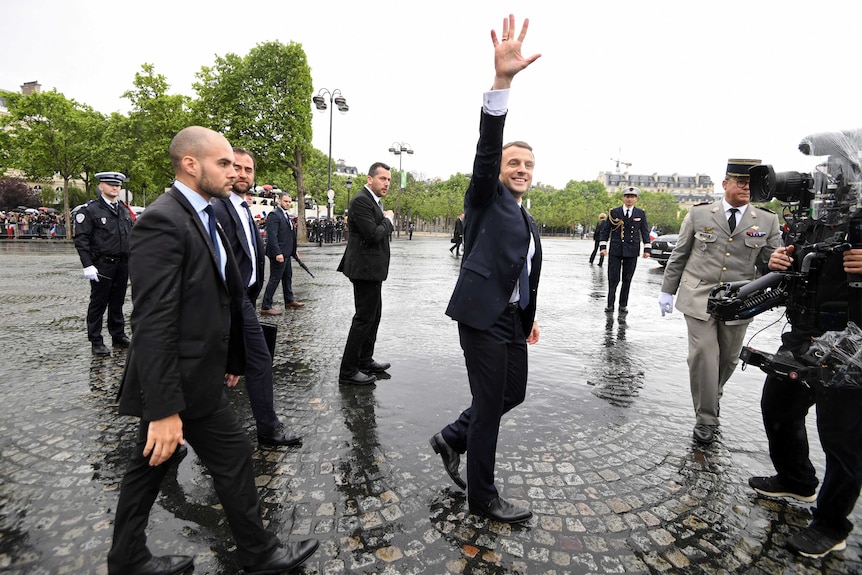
(110, 259)
(513, 307)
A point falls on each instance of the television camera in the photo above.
(828, 198)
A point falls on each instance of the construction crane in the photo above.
(619, 161)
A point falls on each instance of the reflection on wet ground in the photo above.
(601, 450)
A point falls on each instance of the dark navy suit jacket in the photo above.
(234, 229)
(496, 240)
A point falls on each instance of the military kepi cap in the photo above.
(631, 191)
(739, 167)
(113, 178)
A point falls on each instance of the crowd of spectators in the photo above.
(42, 224)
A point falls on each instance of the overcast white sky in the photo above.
(671, 86)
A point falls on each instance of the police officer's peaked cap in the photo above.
(739, 167)
(631, 191)
(113, 178)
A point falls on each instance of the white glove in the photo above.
(665, 302)
(91, 273)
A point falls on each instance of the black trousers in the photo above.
(496, 361)
(108, 293)
(785, 404)
(368, 305)
(596, 245)
(279, 273)
(258, 370)
(223, 447)
(620, 268)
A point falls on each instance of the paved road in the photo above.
(601, 450)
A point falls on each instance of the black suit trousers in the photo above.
(279, 272)
(496, 361)
(596, 243)
(258, 370)
(617, 267)
(224, 448)
(359, 349)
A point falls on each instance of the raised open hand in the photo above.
(508, 59)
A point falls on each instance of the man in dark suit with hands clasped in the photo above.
(366, 263)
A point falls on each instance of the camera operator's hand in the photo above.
(665, 302)
(853, 261)
(780, 259)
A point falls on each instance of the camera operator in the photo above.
(785, 402)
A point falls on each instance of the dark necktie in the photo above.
(524, 279)
(212, 227)
(628, 213)
(113, 207)
(250, 223)
(731, 221)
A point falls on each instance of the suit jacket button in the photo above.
(225, 338)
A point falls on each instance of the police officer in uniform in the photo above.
(627, 228)
(719, 242)
(102, 229)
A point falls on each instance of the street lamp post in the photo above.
(144, 193)
(399, 149)
(349, 184)
(340, 102)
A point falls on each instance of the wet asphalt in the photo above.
(601, 449)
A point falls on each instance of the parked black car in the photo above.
(662, 246)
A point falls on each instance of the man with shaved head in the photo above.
(187, 295)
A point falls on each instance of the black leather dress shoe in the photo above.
(704, 433)
(122, 341)
(375, 367)
(164, 565)
(278, 436)
(357, 378)
(101, 349)
(451, 459)
(285, 557)
(500, 510)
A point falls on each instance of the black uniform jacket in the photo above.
(186, 319)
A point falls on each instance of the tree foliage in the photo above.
(48, 134)
(15, 192)
(262, 102)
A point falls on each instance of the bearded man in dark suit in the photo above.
(187, 295)
(234, 215)
(366, 263)
(494, 300)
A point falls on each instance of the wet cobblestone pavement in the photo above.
(601, 449)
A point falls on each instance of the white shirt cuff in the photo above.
(496, 102)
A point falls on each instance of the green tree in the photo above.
(140, 142)
(15, 192)
(48, 134)
(262, 102)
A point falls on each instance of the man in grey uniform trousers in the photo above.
(718, 243)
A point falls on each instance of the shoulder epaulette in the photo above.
(764, 209)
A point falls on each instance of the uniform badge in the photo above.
(755, 234)
(79, 217)
(104, 221)
(708, 230)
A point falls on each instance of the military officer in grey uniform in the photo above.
(718, 242)
(102, 229)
